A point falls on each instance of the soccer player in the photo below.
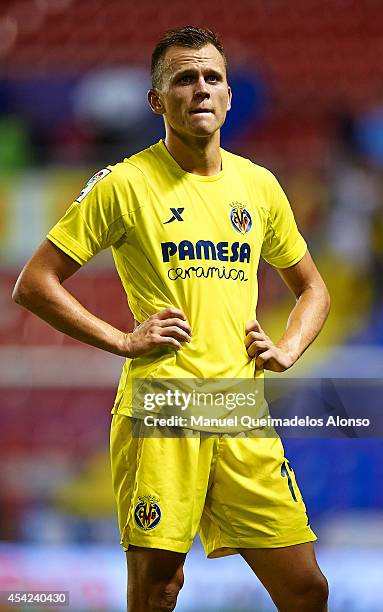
(187, 223)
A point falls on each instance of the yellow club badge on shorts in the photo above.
(147, 513)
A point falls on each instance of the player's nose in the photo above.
(202, 87)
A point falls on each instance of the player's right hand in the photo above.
(167, 327)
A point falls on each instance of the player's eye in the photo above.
(186, 79)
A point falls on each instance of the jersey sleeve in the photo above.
(283, 245)
(95, 220)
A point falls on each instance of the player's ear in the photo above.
(230, 95)
(155, 102)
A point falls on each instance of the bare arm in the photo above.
(39, 289)
(304, 323)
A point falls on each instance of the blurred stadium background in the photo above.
(307, 77)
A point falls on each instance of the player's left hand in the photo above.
(267, 355)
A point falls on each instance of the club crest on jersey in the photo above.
(147, 513)
(240, 218)
(92, 181)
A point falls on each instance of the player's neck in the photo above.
(196, 155)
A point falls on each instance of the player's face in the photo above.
(194, 96)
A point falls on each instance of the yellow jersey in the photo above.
(188, 241)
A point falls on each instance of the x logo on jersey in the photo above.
(176, 215)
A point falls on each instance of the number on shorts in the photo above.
(285, 472)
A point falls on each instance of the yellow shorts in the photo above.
(236, 492)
